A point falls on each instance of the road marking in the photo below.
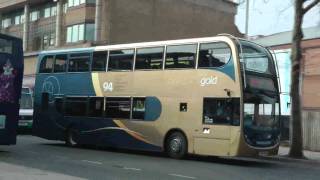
(31, 152)
(133, 169)
(92, 162)
(60, 157)
(182, 176)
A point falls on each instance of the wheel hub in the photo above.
(175, 145)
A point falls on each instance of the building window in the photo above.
(6, 22)
(214, 55)
(181, 56)
(89, 32)
(48, 40)
(118, 107)
(80, 32)
(65, 8)
(50, 11)
(47, 12)
(19, 19)
(72, 3)
(34, 15)
(121, 60)
(149, 58)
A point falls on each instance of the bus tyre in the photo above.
(176, 145)
(69, 138)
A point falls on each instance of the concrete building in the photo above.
(310, 76)
(51, 24)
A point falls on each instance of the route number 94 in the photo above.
(108, 86)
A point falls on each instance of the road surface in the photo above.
(35, 158)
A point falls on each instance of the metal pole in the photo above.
(97, 33)
(247, 18)
(26, 27)
(1, 28)
(59, 23)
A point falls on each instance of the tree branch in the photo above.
(311, 5)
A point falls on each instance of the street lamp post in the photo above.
(247, 19)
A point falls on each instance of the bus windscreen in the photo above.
(6, 46)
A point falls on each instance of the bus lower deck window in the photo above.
(118, 107)
(95, 106)
(138, 108)
(221, 111)
(75, 106)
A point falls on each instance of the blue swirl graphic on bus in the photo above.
(51, 85)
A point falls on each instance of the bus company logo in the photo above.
(206, 81)
(107, 86)
(51, 85)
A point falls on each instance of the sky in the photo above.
(273, 16)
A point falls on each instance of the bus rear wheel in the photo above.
(176, 145)
(69, 138)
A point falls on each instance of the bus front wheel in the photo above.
(176, 145)
(69, 138)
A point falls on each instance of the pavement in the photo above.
(35, 158)
(310, 155)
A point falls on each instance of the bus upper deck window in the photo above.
(99, 61)
(60, 63)
(149, 58)
(120, 60)
(214, 54)
(46, 65)
(79, 63)
(181, 56)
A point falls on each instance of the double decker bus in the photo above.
(11, 74)
(214, 96)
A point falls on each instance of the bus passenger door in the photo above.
(213, 136)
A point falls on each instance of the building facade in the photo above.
(52, 24)
(310, 78)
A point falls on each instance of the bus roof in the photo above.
(8, 37)
(141, 44)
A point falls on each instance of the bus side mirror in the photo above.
(228, 91)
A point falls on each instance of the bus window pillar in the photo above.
(59, 22)
(26, 27)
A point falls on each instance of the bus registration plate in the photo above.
(263, 153)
